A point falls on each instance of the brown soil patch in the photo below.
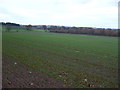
(17, 75)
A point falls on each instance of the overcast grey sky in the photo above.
(81, 13)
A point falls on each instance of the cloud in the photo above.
(2, 15)
(97, 13)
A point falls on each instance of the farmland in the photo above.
(75, 60)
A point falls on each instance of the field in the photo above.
(76, 60)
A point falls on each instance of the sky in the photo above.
(79, 13)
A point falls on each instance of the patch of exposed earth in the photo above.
(17, 75)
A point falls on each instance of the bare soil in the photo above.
(17, 75)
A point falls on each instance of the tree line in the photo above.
(8, 26)
(85, 30)
(65, 29)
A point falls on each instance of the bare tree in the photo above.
(29, 27)
(8, 28)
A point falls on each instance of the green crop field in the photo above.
(70, 58)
